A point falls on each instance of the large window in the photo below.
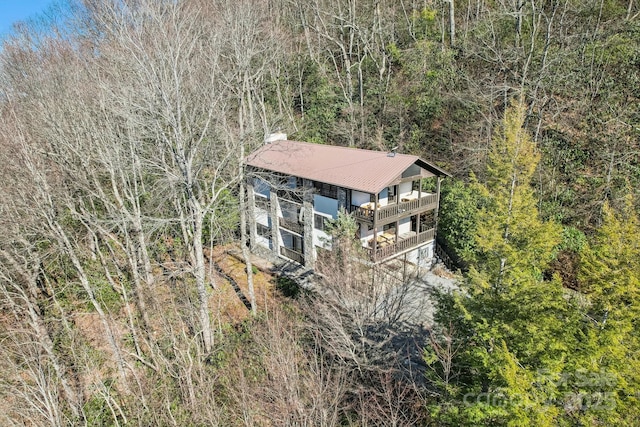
(325, 189)
(261, 187)
(293, 242)
(320, 222)
(290, 210)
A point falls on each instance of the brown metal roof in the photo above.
(363, 170)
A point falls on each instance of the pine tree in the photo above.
(610, 342)
(512, 321)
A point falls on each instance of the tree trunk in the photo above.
(246, 254)
(199, 274)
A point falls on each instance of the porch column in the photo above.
(275, 226)
(342, 199)
(397, 233)
(375, 229)
(251, 207)
(419, 204)
(307, 213)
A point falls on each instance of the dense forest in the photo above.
(123, 129)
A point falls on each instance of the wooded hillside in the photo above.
(123, 129)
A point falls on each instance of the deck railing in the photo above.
(427, 202)
(401, 245)
(292, 255)
(292, 225)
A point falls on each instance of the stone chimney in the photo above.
(273, 137)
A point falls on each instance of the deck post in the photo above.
(307, 235)
(375, 229)
(397, 230)
(435, 212)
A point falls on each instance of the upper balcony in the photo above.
(384, 214)
(291, 225)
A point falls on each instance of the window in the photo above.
(391, 194)
(325, 189)
(263, 231)
(320, 222)
(293, 242)
(261, 187)
(290, 211)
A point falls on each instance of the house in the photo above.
(296, 187)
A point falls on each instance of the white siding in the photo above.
(404, 226)
(322, 239)
(366, 232)
(422, 256)
(405, 188)
(383, 197)
(263, 241)
(262, 217)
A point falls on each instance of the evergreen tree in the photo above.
(609, 350)
(511, 321)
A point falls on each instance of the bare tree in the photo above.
(249, 50)
(173, 54)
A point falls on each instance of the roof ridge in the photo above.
(343, 147)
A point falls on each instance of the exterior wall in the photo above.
(322, 239)
(366, 233)
(262, 217)
(412, 170)
(423, 255)
(383, 197)
(263, 241)
(328, 208)
(405, 188)
(404, 226)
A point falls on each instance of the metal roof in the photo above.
(363, 170)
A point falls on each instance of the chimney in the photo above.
(273, 137)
